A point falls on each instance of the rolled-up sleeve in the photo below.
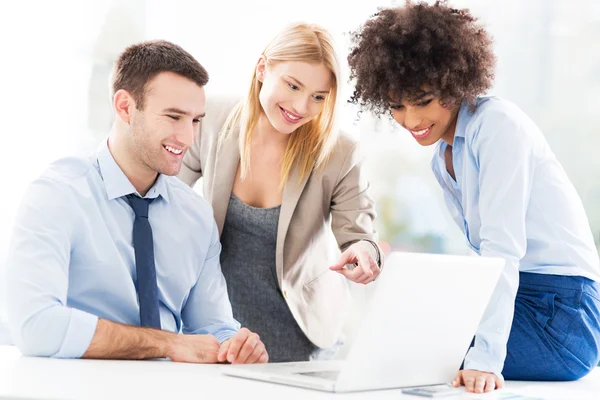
(40, 322)
(208, 310)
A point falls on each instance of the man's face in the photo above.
(163, 131)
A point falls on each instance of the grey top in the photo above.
(248, 262)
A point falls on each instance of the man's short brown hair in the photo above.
(141, 62)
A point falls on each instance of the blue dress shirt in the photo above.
(71, 259)
(512, 199)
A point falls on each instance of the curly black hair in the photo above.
(401, 52)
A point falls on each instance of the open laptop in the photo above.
(420, 323)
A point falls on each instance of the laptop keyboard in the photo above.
(329, 375)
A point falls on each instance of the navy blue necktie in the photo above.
(144, 262)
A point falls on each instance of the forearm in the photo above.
(489, 351)
(118, 341)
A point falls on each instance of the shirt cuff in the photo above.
(81, 330)
(480, 361)
(221, 331)
(224, 335)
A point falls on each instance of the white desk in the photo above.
(26, 377)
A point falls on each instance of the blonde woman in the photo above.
(281, 180)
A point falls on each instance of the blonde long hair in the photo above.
(311, 144)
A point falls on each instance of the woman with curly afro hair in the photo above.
(429, 66)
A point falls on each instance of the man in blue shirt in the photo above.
(112, 256)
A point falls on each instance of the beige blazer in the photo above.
(330, 200)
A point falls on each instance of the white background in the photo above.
(56, 57)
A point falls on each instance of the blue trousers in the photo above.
(555, 334)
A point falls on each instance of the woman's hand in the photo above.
(361, 254)
(478, 381)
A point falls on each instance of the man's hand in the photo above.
(194, 349)
(361, 253)
(478, 381)
(244, 348)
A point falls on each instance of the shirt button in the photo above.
(285, 294)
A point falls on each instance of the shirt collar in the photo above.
(117, 184)
(463, 118)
